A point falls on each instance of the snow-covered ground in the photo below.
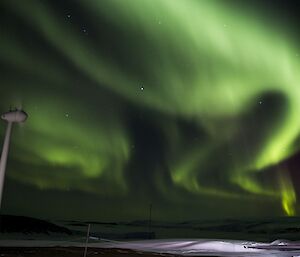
(254, 237)
(187, 247)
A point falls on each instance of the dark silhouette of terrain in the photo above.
(27, 225)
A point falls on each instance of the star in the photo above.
(84, 30)
(69, 15)
(142, 88)
(260, 102)
(67, 115)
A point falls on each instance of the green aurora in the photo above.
(191, 105)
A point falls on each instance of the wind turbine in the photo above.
(15, 116)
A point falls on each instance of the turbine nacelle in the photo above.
(14, 116)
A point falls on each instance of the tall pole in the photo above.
(87, 240)
(150, 217)
(4, 158)
(15, 116)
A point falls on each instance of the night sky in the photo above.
(192, 106)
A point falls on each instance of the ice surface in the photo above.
(186, 247)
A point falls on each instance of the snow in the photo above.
(194, 247)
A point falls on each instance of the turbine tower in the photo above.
(10, 117)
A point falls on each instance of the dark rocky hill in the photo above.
(26, 225)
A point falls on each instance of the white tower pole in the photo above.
(4, 157)
(15, 116)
